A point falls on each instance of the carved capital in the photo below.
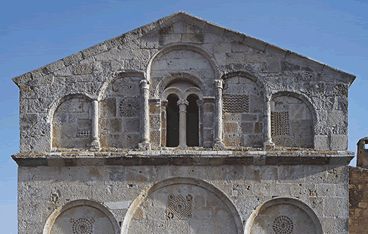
(219, 84)
(144, 84)
(182, 102)
(199, 102)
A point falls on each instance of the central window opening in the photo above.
(192, 121)
(172, 120)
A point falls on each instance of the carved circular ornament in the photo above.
(82, 226)
(283, 225)
(129, 106)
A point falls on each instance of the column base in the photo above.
(218, 145)
(182, 145)
(144, 146)
(95, 145)
(268, 145)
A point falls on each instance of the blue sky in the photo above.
(35, 33)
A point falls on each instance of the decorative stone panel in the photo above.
(120, 111)
(243, 109)
(291, 122)
(82, 220)
(183, 208)
(72, 123)
(286, 218)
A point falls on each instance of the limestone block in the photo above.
(339, 142)
(196, 38)
(321, 142)
(96, 49)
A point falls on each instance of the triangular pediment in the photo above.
(180, 27)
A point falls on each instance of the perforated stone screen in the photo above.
(236, 103)
(280, 123)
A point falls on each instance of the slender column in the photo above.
(200, 106)
(219, 125)
(182, 122)
(144, 145)
(95, 144)
(268, 144)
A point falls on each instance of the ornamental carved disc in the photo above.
(129, 106)
(82, 226)
(283, 225)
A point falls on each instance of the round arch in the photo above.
(283, 201)
(178, 77)
(301, 97)
(58, 211)
(183, 46)
(179, 181)
(57, 102)
(244, 74)
(120, 74)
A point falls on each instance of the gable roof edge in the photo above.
(118, 40)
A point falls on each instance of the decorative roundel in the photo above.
(283, 225)
(82, 226)
(129, 106)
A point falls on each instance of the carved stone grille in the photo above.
(82, 226)
(179, 207)
(129, 106)
(84, 134)
(280, 123)
(283, 225)
(235, 103)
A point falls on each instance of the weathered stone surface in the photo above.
(183, 126)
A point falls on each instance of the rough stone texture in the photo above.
(120, 113)
(72, 124)
(283, 135)
(358, 200)
(213, 188)
(362, 153)
(291, 122)
(82, 219)
(243, 110)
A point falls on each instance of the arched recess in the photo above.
(283, 216)
(72, 122)
(244, 110)
(183, 46)
(293, 118)
(120, 111)
(81, 216)
(179, 205)
(189, 105)
(185, 60)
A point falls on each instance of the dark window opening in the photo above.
(192, 121)
(172, 120)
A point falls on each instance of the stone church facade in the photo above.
(183, 126)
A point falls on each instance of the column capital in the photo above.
(219, 84)
(144, 84)
(182, 102)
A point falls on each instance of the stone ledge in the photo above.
(184, 158)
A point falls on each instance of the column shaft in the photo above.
(145, 116)
(95, 144)
(219, 125)
(182, 123)
(268, 144)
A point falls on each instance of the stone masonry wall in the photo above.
(120, 111)
(42, 190)
(358, 200)
(243, 110)
(72, 123)
(167, 48)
